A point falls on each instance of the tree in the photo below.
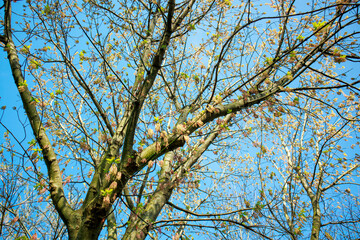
(169, 118)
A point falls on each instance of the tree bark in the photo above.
(316, 223)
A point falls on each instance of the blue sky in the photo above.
(9, 94)
(10, 98)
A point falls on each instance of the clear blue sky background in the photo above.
(10, 98)
(9, 95)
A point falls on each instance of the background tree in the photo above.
(172, 118)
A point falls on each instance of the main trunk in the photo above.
(316, 224)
